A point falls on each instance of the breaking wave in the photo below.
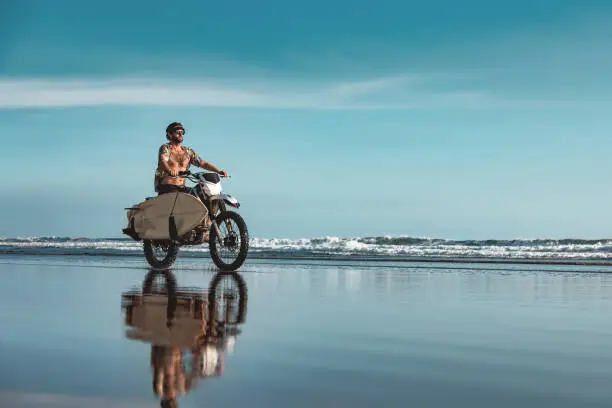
(384, 247)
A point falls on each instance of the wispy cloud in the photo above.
(395, 92)
(392, 92)
(357, 88)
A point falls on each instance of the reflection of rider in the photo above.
(192, 342)
(170, 378)
(209, 359)
(174, 157)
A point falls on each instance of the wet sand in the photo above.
(314, 335)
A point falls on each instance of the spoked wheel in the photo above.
(227, 298)
(160, 254)
(229, 250)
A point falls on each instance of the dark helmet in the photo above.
(168, 403)
(174, 126)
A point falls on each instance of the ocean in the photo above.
(363, 248)
(327, 322)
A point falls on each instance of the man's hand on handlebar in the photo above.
(184, 173)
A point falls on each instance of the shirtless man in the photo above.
(175, 157)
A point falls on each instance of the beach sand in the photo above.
(316, 334)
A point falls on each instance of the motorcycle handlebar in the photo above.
(189, 173)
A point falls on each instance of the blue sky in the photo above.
(470, 119)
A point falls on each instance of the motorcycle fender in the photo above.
(229, 200)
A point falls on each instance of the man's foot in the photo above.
(131, 233)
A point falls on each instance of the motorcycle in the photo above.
(201, 215)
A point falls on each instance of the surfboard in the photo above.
(151, 220)
(147, 322)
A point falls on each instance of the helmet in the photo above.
(174, 126)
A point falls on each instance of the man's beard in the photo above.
(176, 139)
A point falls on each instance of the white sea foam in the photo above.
(387, 246)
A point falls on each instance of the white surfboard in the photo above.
(151, 221)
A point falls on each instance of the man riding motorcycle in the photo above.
(173, 158)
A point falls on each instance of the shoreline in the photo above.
(440, 260)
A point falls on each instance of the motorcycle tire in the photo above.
(244, 242)
(216, 287)
(157, 263)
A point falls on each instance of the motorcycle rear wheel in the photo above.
(164, 262)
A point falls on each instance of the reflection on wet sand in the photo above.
(189, 329)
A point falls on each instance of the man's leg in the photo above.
(129, 230)
(171, 188)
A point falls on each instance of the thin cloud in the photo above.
(377, 93)
(356, 88)
(395, 92)
(73, 93)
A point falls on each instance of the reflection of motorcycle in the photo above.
(169, 221)
(189, 330)
(227, 299)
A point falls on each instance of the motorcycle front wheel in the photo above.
(160, 255)
(229, 250)
(227, 298)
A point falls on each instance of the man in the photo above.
(175, 157)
